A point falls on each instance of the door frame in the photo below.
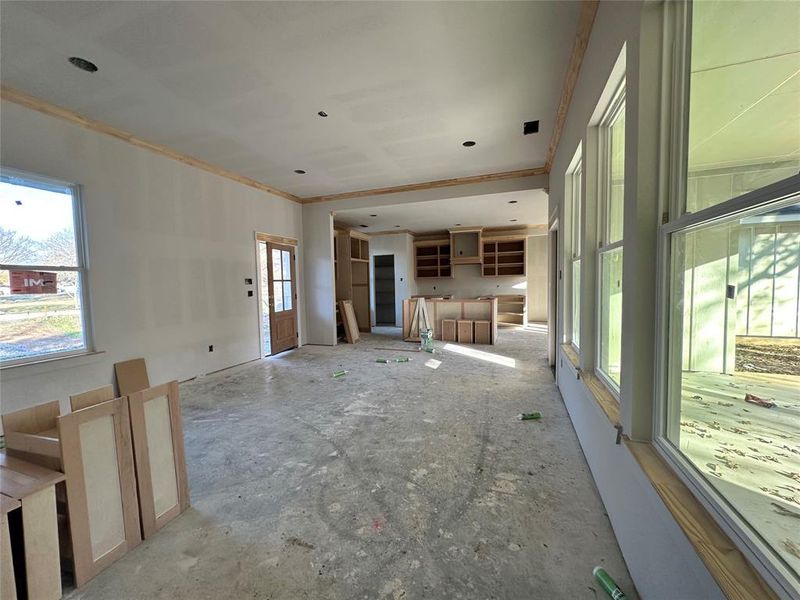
(554, 292)
(260, 237)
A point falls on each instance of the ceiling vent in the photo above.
(530, 127)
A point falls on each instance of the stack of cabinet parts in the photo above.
(443, 311)
(122, 460)
(464, 331)
(432, 259)
(352, 273)
(29, 555)
(92, 447)
(503, 257)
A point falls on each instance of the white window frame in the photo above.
(573, 189)
(673, 172)
(616, 108)
(24, 178)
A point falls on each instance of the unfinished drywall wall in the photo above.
(169, 249)
(401, 246)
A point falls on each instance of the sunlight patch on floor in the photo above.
(505, 361)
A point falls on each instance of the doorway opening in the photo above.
(384, 290)
(554, 278)
(278, 296)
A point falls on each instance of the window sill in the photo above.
(48, 364)
(727, 565)
(596, 388)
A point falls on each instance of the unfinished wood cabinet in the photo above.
(483, 332)
(511, 310)
(32, 434)
(352, 273)
(157, 432)
(465, 335)
(102, 503)
(441, 310)
(466, 247)
(432, 259)
(503, 256)
(32, 488)
(8, 587)
(448, 330)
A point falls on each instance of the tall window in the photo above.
(732, 368)
(42, 270)
(611, 195)
(573, 188)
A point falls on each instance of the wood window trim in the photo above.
(734, 574)
(276, 239)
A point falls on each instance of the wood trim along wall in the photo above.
(276, 239)
(391, 232)
(585, 23)
(731, 570)
(18, 97)
(21, 98)
(428, 185)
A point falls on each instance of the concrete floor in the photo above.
(394, 481)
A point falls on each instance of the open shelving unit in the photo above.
(432, 259)
(351, 265)
(511, 310)
(503, 257)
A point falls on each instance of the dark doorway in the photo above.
(384, 290)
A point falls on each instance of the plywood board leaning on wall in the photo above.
(350, 321)
(131, 376)
(157, 432)
(97, 456)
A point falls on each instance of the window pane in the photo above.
(36, 324)
(36, 226)
(287, 264)
(576, 303)
(734, 373)
(287, 295)
(277, 295)
(276, 264)
(616, 199)
(611, 313)
(744, 108)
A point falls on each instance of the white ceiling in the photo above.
(488, 210)
(239, 84)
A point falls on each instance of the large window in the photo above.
(731, 378)
(573, 188)
(611, 194)
(42, 270)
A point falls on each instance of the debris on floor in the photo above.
(608, 584)
(532, 416)
(386, 361)
(426, 340)
(753, 399)
(340, 373)
(433, 363)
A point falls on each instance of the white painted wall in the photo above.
(169, 249)
(401, 246)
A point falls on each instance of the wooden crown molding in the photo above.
(427, 185)
(585, 23)
(18, 97)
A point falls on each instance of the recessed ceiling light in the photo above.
(83, 64)
(373, 215)
(397, 225)
(468, 144)
(322, 113)
(512, 201)
(513, 220)
(458, 224)
(300, 171)
(363, 225)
